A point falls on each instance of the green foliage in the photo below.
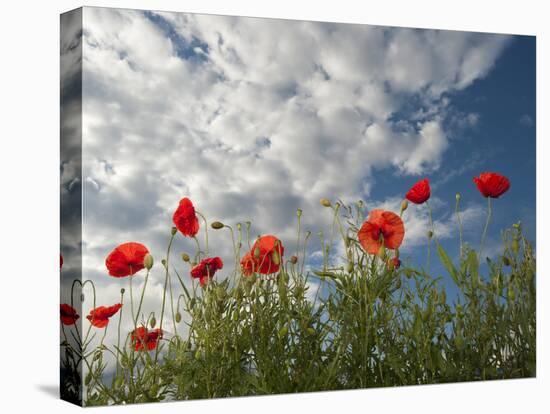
(373, 326)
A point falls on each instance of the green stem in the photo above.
(489, 213)
(165, 288)
(457, 211)
(141, 298)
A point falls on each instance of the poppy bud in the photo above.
(430, 234)
(515, 246)
(122, 291)
(148, 261)
(311, 331)
(350, 267)
(239, 226)
(185, 257)
(404, 205)
(293, 259)
(275, 257)
(283, 332)
(217, 225)
(163, 261)
(506, 261)
(517, 225)
(325, 202)
(299, 212)
(174, 231)
(457, 196)
(178, 317)
(82, 297)
(152, 322)
(337, 205)
(511, 294)
(360, 203)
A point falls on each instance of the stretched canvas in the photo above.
(259, 206)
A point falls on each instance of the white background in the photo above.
(29, 211)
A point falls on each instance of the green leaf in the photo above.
(447, 262)
(473, 265)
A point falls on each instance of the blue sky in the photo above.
(254, 118)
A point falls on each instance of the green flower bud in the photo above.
(185, 257)
(299, 212)
(275, 257)
(515, 245)
(148, 261)
(163, 261)
(404, 205)
(457, 196)
(511, 294)
(430, 234)
(283, 332)
(311, 331)
(217, 225)
(293, 259)
(325, 202)
(178, 317)
(174, 231)
(122, 291)
(152, 322)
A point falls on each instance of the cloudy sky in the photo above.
(254, 118)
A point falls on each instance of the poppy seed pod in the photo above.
(325, 202)
(185, 257)
(217, 225)
(148, 261)
(404, 205)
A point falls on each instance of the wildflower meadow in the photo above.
(251, 326)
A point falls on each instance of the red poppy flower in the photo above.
(185, 219)
(265, 257)
(68, 314)
(143, 338)
(99, 317)
(381, 227)
(394, 263)
(60, 261)
(206, 268)
(492, 184)
(126, 259)
(420, 192)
